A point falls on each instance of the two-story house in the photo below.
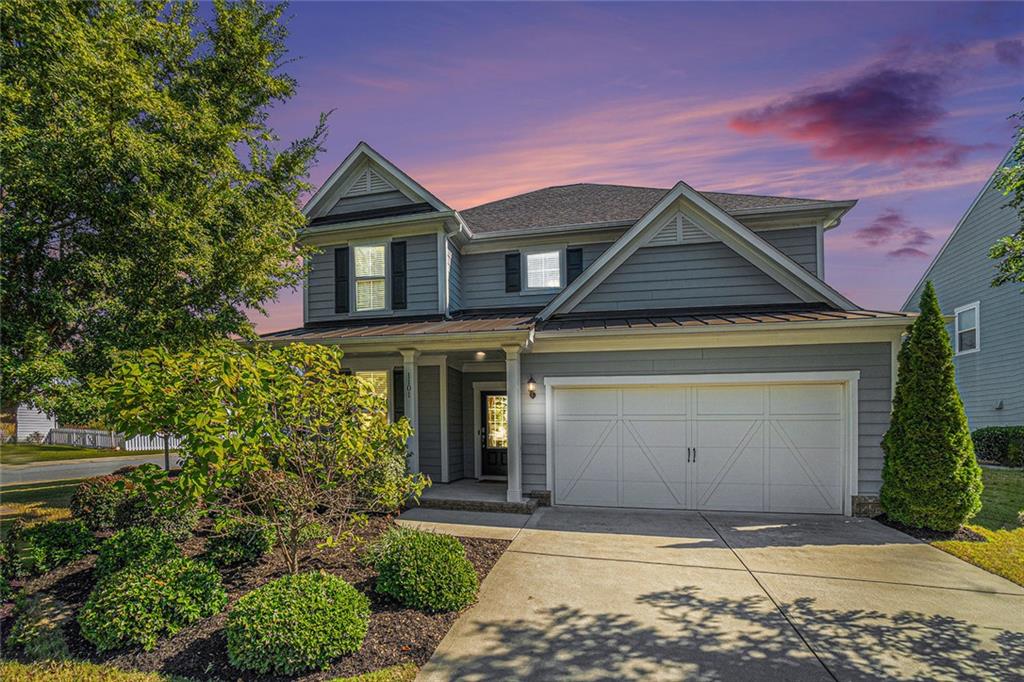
(986, 323)
(606, 345)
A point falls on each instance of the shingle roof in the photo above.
(586, 203)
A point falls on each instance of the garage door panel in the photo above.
(589, 492)
(589, 402)
(785, 497)
(642, 401)
(784, 465)
(651, 495)
(731, 496)
(807, 433)
(804, 400)
(730, 400)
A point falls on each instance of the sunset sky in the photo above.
(902, 106)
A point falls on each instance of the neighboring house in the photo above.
(606, 345)
(987, 327)
(32, 424)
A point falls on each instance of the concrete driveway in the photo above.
(591, 594)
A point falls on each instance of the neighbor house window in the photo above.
(967, 340)
(544, 270)
(378, 380)
(370, 277)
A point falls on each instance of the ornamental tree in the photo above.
(145, 201)
(1009, 250)
(930, 477)
(281, 437)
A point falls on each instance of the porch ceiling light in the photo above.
(480, 355)
(531, 387)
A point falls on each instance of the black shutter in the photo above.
(398, 391)
(513, 279)
(398, 277)
(341, 280)
(573, 264)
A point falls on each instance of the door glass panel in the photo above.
(497, 421)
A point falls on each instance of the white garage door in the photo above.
(769, 447)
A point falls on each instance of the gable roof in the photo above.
(907, 304)
(383, 168)
(719, 224)
(590, 203)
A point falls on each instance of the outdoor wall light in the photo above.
(531, 387)
(480, 355)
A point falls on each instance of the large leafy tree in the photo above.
(145, 200)
(930, 477)
(1010, 249)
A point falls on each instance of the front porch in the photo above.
(472, 495)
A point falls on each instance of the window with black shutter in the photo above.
(399, 285)
(573, 264)
(341, 279)
(513, 280)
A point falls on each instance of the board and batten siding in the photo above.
(429, 420)
(421, 264)
(872, 360)
(456, 465)
(799, 243)
(484, 280)
(963, 274)
(685, 276)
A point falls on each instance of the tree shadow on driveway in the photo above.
(697, 637)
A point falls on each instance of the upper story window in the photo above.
(967, 328)
(544, 269)
(370, 277)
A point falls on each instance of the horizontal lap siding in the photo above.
(454, 277)
(421, 264)
(455, 425)
(799, 243)
(685, 276)
(963, 275)
(484, 280)
(871, 359)
(430, 420)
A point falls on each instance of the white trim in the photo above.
(478, 388)
(443, 397)
(514, 391)
(819, 263)
(524, 270)
(719, 224)
(392, 173)
(848, 379)
(482, 366)
(410, 376)
(976, 306)
(949, 239)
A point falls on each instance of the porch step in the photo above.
(527, 506)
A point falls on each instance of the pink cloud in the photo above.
(892, 226)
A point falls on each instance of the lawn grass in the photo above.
(396, 673)
(74, 671)
(1003, 553)
(30, 453)
(36, 501)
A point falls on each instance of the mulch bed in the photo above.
(396, 635)
(962, 534)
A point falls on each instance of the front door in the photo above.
(494, 434)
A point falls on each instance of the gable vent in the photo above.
(679, 230)
(369, 182)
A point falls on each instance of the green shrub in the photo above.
(97, 500)
(157, 501)
(45, 546)
(235, 542)
(930, 477)
(424, 570)
(39, 628)
(297, 623)
(6, 593)
(134, 548)
(1001, 444)
(142, 605)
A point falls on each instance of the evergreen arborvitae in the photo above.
(930, 478)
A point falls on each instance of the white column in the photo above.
(412, 406)
(514, 390)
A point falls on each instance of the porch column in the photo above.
(514, 391)
(412, 410)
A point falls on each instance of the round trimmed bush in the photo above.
(235, 542)
(423, 570)
(45, 546)
(156, 501)
(143, 605)
(297, 623)
(134, 548)
(97, 500)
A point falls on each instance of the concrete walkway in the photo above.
(590, 594)
(74, 468)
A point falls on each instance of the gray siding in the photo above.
(455, 425)
(430, 420)
(369, 202)
(484, 280)
(685, 276)
(962, 275)
(799, 243)
(871, 359)
(454, 277)
(421, 261)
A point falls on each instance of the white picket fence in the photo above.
(108, 440)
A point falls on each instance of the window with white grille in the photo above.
(371, 277)
(967, 328)
(544, 270)
(378, 381)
